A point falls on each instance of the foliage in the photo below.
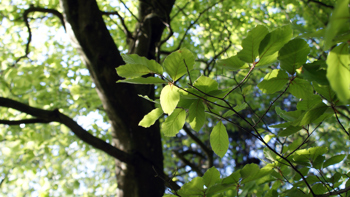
(294, 157)
(265, 86)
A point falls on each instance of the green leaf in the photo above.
(275, 40)
(288, 116)
(267, 60)
(132, 70)
(149, 119)
(174, 123)
(142, 80)
(211, 176)
(196, 115)
(251, 44)
(234, 178)
(316, 72)
(219, 139)
(293, 55)
(206, 84)
(249, 172)
(174, 63)
(231, 64)
(192, 188)
(307, 104)
(334, 160)
(301, 88)
(169, 98)
(150, 64)
(313, 113)
(338, 21)
(289, 131)
(338, 73)
(273, 81)
(325, 90)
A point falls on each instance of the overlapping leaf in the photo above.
(179, 63)
(173, 123)
(293, 55)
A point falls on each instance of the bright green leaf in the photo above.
(249, 171)
(175, 65)
(174, 123)
(169, 98)
(339, 20)
(251, 44)
(313, 113)
(273, 81)
(206, 84)
(338, 72)
(219, 139)
(132, 70)
(142, 80)
(149, 119)
(150, 64)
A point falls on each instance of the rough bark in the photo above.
(124, 108)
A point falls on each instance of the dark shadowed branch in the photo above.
(26, 21)
(46, 116)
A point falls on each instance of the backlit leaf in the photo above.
(149, 119)
(219, 139)
(132, 70)
(275, 40)
(231, 64)
(273, 81)
(173, 123)
(177, 63)
(196, 115)
(169, 98)
(142, 80)
(211, 176)
(338, 72)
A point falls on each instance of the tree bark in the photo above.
(124, 108)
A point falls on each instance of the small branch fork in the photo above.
(47, 116)
(26, 21)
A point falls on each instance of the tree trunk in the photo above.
(124, 108)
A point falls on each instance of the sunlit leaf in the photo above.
(179, 63)
(173, 123)
(149, 119)
(142, 80)
(273, 81)
(132, 70)
(231, 64)
(338, 72)
(211, 176)
(275, 40)
(169, 98)
(219, 139)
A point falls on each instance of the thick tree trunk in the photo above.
(124, 108)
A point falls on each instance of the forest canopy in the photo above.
(168, 98)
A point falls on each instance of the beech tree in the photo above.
(175, 98)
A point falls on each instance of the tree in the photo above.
(271, 93)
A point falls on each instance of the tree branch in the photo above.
(46, 116)
(334, 193)
(206, 150)
(25, 18)
(126, 30)
(187, 162)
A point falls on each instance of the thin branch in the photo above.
(24, 121)
(321, 3)
(336, 116)
(132, 14)
(193, 23)
(205, 149)
(187, 162)
(126, 30)
(26, 21)
(57, 116)
(334, 193)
